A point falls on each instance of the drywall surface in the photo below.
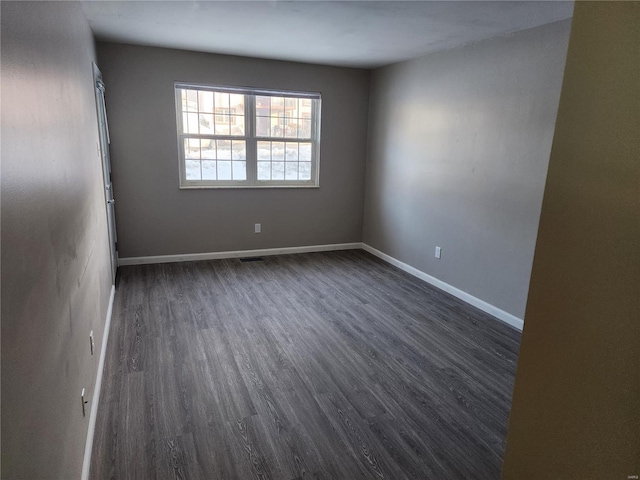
(155, 217)
(576, 404)
(459, 144)
(56, 276)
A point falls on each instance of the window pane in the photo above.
(183, 99)
(239, 170)
(222, 129)
(224, 170)
(305, 170)
(277, 170)
(277, 130)
(192, 123)
(291, 151)
(291, 171)
(236, 125)
(264, 150)
(192, 100)
(209, 170)
(236, 103)
(192, 148)
(305, 152)
(238, 150)
(262, 126)
(192, 169)
(208, 149)
(277, 150)
(206, 123)
(205, 101)
(277, 106)
(305, 129)
(185, 123)
(264, 170)
(263, 106)
(222, 116)
(292, 129)
(221, 100)
(305, 108)
(222, 122)
(224, 150)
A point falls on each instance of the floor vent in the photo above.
(251, 259)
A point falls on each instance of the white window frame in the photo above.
(250, 138)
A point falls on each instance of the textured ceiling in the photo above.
(357, 33)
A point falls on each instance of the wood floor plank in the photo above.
(177, 459)
(248, 451)
(136, 445)
(108, 423)
(214, 457)
(168, 384)
(357, 438)
(328, 365)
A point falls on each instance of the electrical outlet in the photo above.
(91, 344)
(258, 228)
(438, 252)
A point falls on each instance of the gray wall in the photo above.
(154, 217)
(55, 261)
(459, 144)
(576, 403)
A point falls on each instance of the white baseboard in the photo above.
(506, 317)
(263, 252)
(86, 464)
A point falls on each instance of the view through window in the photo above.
(245, 138)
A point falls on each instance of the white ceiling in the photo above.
(361, 33)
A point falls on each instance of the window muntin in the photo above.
(231, 137)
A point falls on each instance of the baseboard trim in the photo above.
(263, 252)
(86, 464)
(506, 317)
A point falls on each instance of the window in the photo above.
(233, 137)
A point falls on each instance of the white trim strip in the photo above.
(506, 317)
(86, 464)
(263, 252)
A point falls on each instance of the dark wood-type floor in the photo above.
(325, 365)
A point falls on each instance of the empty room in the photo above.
(320, 239)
